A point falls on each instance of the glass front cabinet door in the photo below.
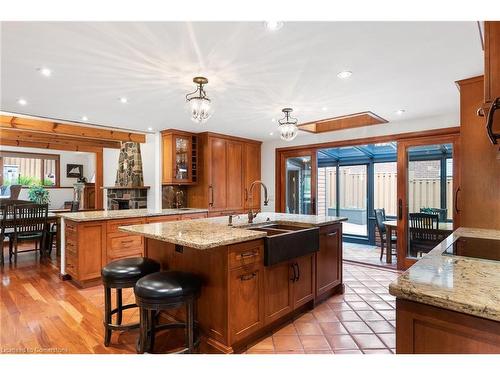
(179, 157)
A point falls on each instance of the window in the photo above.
(27, 169)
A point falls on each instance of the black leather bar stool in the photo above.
(120, 274)
(162, 291)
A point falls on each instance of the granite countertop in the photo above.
(212, 232)
(126, 214)
(463, 284)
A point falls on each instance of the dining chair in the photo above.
(3, 222)
(74, 207)
(379, 220)
(424, 232)
(30, 224)
(441, 212)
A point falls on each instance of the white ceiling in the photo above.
(252, 72)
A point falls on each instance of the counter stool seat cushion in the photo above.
(128, 269)
(166, 285)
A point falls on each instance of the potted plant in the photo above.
(39, 195)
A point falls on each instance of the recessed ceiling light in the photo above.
(344, 74)
(400, 111)
(271, 133)
(273, 120)
(150, 129)
(85, 118)
(123, 100)
(46, 72)
(22, 101)
(274, 25)
(324, 108)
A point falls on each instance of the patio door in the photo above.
(427, 182)
(298, 171)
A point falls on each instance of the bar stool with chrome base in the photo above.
(162, 291)
(120, 274)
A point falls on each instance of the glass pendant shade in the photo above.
(288, 126)
(200, 109)
(199, 105)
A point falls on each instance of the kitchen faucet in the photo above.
(251, 215)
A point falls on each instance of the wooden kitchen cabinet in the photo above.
(288, 286)
(227, 167)
(476, 197)
(251, 165)
(179, 161)
(491, 61)
(329, 260)
(425, 329)
(246, 301)
(278, 291)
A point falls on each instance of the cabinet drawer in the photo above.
(159, 219)
(70, 228)
(71, 247)
(112, 226)
(71, 264)
(245, 254)
(200, 215)
(130, 253)
(124, 242)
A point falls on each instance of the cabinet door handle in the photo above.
(298, 271)
(246, 194)
(248, 254)
(332, 234)
(400, 209)
(294, 277)
(489, 122)
(250, 276)
(211, 188)
(456, 200)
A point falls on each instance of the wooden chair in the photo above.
(379, 219)
(441, 212)
(74, 206)
(3, 224)
(424, 232)
(30, 224)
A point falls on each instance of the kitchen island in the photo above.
(91, 239)
(246, 293)
(449, 301)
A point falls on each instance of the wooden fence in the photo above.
(423, 192)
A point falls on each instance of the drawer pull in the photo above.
(332, 234)
(127, 241)
(249, 254)
(250, 276)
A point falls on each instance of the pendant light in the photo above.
(288, 126)
(199, 105)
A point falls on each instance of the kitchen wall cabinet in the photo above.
(491, 61)
(179, 161)
(477, 196)
(227, 167)
(329, 259)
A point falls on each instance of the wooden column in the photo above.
(98, 180)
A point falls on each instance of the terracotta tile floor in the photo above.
(360, 321)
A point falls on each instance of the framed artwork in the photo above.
(74, 170)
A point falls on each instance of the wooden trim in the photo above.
(63, 128)
(230, 137)
(468, 81)
(402, 186)
(376, 139)
(350, 121)
(47, 140)
(99, 180)
(34, 155)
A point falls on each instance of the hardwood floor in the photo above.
(39, 313)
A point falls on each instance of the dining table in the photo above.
(391, 227)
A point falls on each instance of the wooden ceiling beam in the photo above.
(53, 141)
(70, 130)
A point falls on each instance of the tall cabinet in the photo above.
(227, 167)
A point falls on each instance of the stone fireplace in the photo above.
(129, 191)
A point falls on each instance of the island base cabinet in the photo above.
(288, 286)
(329, 260)
(425, 329)
(245, 302)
